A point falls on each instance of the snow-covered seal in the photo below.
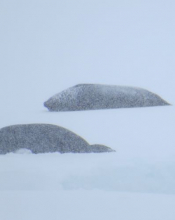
(95, 96)
(45, 138)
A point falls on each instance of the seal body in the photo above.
(94, 96)
(44, 138)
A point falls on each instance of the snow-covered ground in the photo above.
(47, 47)
(85, 205)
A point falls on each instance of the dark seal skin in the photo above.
(95, 96)
(45, 138)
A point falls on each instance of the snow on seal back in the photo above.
(94, 96)
(45, 138)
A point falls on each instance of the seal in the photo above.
(45, 138)
(96, 96)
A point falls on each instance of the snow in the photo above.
(107, 172)
(85, 205)
(47, 47)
